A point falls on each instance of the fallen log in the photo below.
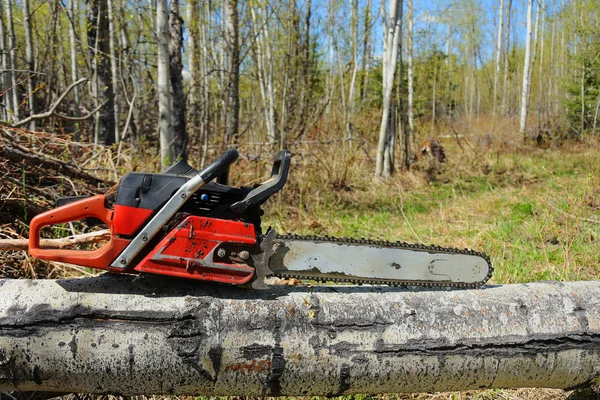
(104, 335)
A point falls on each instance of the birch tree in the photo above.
(99, 49)
(526, 69)
(366, 55)
(506, 59)
(232, 117)
(264, 66)
(163, 85)
(12, 56)
(392, 30)
(178, 96)
(5, 94)
(31, 74)
(71, 7)
(354, 51)
(113, 66)
(409, 133)
(498, 54)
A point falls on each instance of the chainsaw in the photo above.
(182, 224)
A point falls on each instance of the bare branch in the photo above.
(86, 238)
(52, 109)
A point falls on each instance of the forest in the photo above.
(186, 77)
(462, 123)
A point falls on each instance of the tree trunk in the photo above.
(103, 335)
(232, 108)
(206, 97)
(31, 73)
(498, 53)
(526, 74)
(165, 103)
(5, 94)
(264, 69)
(71, 7)
(366, 56)
(352, 89)
(114, 80)
(192, 48)
(506, 59)
(12, 55)
(410, 134)
(391, 44)
(99, 49)
(178, 96)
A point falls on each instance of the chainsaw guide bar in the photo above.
(360, 244)
(181, 224)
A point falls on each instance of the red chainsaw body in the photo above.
(190, 250)
(187, 251)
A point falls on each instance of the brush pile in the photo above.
(37, 168)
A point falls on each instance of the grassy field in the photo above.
(536, 212)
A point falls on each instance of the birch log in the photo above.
(104, 335)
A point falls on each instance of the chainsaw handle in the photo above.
(261, 193)
(219, 166)
(92, 207)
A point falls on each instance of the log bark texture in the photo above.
(105, 335)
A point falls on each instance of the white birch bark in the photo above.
(392, 26)
(410, 69)
(12, 56)
(7, 109)
(352, 89)
(165, 104)
(30, 63)
(113, 65)
(506, 59)
(71, 7)
(498, 53)
(526, 71)
(264, 71)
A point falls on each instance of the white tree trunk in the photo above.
(352, 89)
(113, 65)
(71, 7)
(498, 53)
(526, 72)
(506, 59)
(165, 104)
(103, 335)
(30, 63)
(392, 26)
(6, 99)
(260, 23)
(12, 56)
(410, 71)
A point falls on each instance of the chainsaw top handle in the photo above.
(219, 166)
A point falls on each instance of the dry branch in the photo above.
(103, 335)
(52, 109)
(85, 238)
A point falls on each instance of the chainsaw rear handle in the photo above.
(260, 194)
(91, 207)
(219, 166)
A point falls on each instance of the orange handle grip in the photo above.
(92, 207)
